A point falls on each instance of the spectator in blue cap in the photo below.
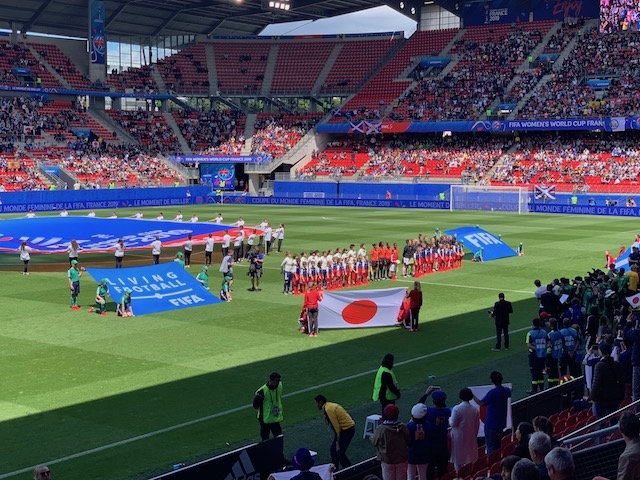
(437, 420)
(303, 461)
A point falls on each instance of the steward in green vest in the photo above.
(385, 386)
(268, 402)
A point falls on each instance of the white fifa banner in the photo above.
(480, 392)
(361, 308)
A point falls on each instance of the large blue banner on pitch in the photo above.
(475, 238)
(53, 234)
(156, 288)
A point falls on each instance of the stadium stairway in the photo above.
(212, 71)
(557, 66)
(452, 43)
(269, 70)
(184, 145)
(324, 73)
(162, 87)
(523, 101)
(101, 117)
(61, 80)
(512, 149)
(249, 129)
(541, 46)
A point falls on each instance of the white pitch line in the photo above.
(239, 409)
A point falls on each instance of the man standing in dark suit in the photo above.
(501, 311)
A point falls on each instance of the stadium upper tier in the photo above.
(613, 58)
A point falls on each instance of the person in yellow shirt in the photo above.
(343, 426)
(632, 284)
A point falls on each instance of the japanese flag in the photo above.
(360, 308)
(634, 300)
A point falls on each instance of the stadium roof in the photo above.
(150, 18)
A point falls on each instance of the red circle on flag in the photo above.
(636, 300)
(360, 311)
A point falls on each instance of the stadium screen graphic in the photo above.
(619, 16)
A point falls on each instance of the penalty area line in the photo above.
(241, 408)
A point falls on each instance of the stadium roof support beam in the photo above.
(116, 13)
(214, 26)
(165, 22)
(40, 10)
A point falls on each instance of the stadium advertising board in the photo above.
(221, 159)
(339, 202)
(51, 201)
(559, 10)
(253, 462)
(608, 124)
(586, 210)
(495, 13)
(218, 175)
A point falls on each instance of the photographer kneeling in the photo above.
(256, 259)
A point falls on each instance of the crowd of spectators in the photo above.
(576, 159)
(277, 134)
(148, 127)
(484, 70)
(21, 119)
(99, 165)
(213, 132)
(377, 157)
(138, 80)
(17, 172)
(615, 57)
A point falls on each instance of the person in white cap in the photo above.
(418, 454)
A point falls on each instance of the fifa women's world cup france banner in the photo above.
(609, 124)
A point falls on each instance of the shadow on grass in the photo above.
(215, 407)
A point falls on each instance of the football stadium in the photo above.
(233, 248)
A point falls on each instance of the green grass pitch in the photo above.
(124, 398)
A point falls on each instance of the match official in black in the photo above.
(343, 426)
(501, 311)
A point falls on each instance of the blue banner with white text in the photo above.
(221, 158)
(155, 288)
(618, 211)
(47, 201)
(488, 245)
(608, 124)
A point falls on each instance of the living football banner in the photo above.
(480, 391)
(155, 288)
(360, 308)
